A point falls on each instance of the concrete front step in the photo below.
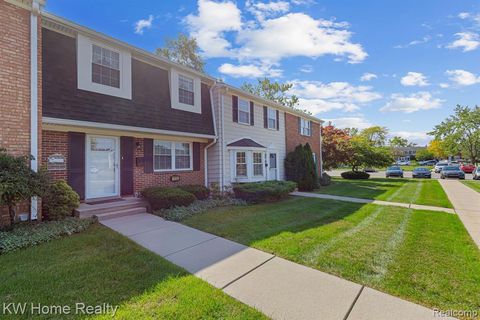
(120, 213)
(88, 210)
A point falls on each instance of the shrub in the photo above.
(199, 206)
(167, 197)
(60, 200)
(300, 168)
(325, 180)
(200, 192)
(355, 175)
(263, 191)
(31, 234)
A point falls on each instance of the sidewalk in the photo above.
(279, 288)
(466, 202)
(378, 202)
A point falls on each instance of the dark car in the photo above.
(452, 172)
(421, 173)
(394, 171)
(476, 173)
(429, 163)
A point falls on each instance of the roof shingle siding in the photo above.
(245, 143)
(150, 106)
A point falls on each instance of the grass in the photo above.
(474, 184)
(417, 191)
(100, 266)
(423, 256)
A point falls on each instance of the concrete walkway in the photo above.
(279, 288)
(379, 202)
(466, 202)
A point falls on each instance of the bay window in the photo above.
(257, 164)
(241, 164)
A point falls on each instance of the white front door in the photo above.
(272, 166)
(102, 172)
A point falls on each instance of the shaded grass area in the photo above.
(417, 191)
(100, 266)
(474, 184)
(422, 256)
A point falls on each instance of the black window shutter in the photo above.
(252, 121)
(278, 120)
(126, 165)
(196, 156)
(299, 125)
(265, 117)
(235, 108)
(76, 162)
(148, 155)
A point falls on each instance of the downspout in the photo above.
(222, 147)
(321, 151)
(205, 154)
(34, 98)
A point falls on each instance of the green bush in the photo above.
(355, 175)
(300, 168)
(325, 180)
(199, 206)
(263, 191)
(60, 200)
(31, 234)
(167, 197)
(200, 192)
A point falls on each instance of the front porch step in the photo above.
(89, 210)
(121, 213)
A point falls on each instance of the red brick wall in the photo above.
(55, 142)
(142, 180)
(15, 84)
(293, 138)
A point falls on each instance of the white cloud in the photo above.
(425, 39)
(468, 41)
(307, 68)
(411, 103)
(262, 10)
(462, 77)
(419, 137)
(414, 79)
(248, 71)
(319, 97)
(143, 24)
(469, 16)
(368, 76)
(350, 122)
(444, 85)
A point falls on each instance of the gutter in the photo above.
(215, 139)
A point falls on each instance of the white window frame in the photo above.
(174, 94)
(84, 69)
(246, 165)
(262, 163)
(274, 118)
(305, 127)
(247, 103)
(172, 148)
(250, 177)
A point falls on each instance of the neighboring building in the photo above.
(406, 153)
(112, 119)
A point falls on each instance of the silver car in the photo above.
(439, 166)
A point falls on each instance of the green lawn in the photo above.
(423, 256)
(100, 266)
(418, 191)
(474, 184)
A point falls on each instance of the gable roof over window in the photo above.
(245, 143)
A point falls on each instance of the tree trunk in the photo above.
(11, 212)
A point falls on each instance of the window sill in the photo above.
(173, 171)
(244, 124)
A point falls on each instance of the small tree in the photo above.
(18, 182)
(335, 146)
(424, 154)
(300, 167)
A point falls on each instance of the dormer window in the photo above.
(185, 91)
(105, 66)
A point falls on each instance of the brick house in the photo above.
(112, 119)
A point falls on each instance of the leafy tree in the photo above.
(18, 182)
(460, 132)
(398, 142)
(437, 149)
(363, 154)
(335, 146)
(274, 91)
(183, 50)
(300, 167)
(376, 135)
(424, 154)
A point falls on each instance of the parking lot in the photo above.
(381, 174)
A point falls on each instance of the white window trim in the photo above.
(197, 94)
(84, 69)
(262, 162)
(250, 177)
(249, 113)
(268, 119)
(302, 121)
(172, 147)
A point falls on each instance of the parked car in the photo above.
(467, 168)
(439, 166)
(394, 171)
(421, 173)
(476, 173)
(452, 172)
(369, 170)
(403, 163)
(428, 163)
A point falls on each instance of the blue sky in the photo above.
(399, 64)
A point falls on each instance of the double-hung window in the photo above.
(305, 127)
(171, 156)
(272, 118)
(105, 66)
(241, 164)
(243, 111)
(186, 91)
(257, 164)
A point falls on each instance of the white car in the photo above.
(439, 166)
(403, 163)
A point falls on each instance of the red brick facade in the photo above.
(15, 84)
(55, 142)
(293, 137)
